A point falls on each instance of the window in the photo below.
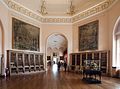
(118, 51)
(116, 45)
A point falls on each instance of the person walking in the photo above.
(59, 64)
(65, 66)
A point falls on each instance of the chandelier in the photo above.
(42, 10)
(71, 9)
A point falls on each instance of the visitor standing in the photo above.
(59, 66)
(65, 66)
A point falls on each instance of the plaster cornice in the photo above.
(82, 15)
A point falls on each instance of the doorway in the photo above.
(57, 47)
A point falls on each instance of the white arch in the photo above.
(114, 57)
(46, 45)
(2, 48)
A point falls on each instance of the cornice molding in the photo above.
(16, 7)
(82, 15)
(93, 10)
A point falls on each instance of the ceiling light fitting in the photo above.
(71, 9)
(43, 8)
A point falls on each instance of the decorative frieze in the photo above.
(89, 12)
(57, 20)
(96, 9)
(15, 6)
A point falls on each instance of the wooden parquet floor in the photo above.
(55, 80)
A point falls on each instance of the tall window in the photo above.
(118, 51)
(116, 45)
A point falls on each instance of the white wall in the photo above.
(0, 40)
(4, 18)
(0, 47)
(49, 29)
(113, 15)
(45, 29)
(103, 32)
(107, 22)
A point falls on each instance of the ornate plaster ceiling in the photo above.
(56, 42)
(58, 7)
(21, 7)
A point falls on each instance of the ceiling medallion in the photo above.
(71, 9)
(43, 8)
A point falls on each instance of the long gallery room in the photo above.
(59, 44)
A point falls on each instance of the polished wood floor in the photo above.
(53, 79)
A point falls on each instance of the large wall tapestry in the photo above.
(88, 36)
(25, 36)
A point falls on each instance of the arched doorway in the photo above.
(56, 49)
(1, 48)
(116, 45)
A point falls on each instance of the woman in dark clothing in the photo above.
(59, 66)
(65, 66)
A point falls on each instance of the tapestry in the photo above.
(88, 36)
(24, 36)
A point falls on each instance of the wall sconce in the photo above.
(43, 8)
(71, 9)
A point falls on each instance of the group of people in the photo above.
(60, 64)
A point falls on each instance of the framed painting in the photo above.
(88, 36)
(24, 36)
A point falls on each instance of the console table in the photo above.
(92, 76)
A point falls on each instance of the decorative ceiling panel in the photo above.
(59, 19)
(58, 7)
